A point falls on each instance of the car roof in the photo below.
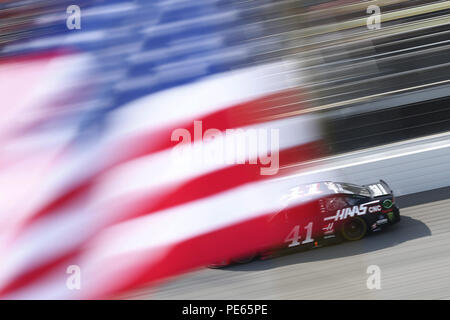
(326, 188)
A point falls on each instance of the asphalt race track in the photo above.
(414, 258)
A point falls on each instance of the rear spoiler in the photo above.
(380, 188)
(386, 186)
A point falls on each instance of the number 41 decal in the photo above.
(294, 236)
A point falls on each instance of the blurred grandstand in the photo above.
(373, 81)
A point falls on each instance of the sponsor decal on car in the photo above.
(382, 221)
(333, 187)
(378, 189)
(390, 216)
(375, 209)
(360, 210)
(329, 228)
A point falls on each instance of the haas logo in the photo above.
(360, 210)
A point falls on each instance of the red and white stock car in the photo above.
(343, 211)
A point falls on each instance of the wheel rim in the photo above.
(354, 229)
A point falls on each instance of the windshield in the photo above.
(355, 189)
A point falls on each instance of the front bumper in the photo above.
(394, 215)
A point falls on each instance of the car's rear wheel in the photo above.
(219, 264)
(245, 259)
(354, 229)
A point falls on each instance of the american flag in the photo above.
(87, 170)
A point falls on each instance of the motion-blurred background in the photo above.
(84, 111)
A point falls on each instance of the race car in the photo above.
(341, 211)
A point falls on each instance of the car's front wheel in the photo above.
(354, 229)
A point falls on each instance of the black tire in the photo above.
(396, 215)
(354, 229)
(245, 259)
